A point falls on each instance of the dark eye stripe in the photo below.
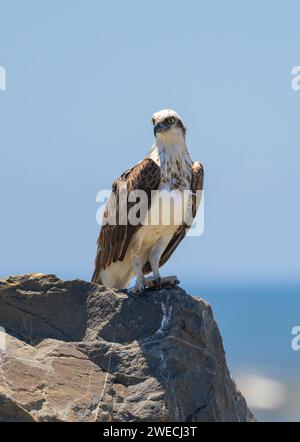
(170, 120)
(180, 124)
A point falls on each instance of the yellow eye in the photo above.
(171, 120)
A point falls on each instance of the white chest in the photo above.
(169, 204)
(176, 167)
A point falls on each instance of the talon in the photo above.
(137, 290)
(169, 281)
(157, 283)
(153, 283)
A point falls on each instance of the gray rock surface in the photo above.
(82, 352)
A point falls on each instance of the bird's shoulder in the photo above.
(197, 176)
(197, 167)
(146, 173)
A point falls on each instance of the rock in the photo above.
(11, 411)
(76, 351)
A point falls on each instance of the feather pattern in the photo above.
(196, 185)
(125, 249)
(114, 240)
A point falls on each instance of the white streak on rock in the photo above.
(165, 319)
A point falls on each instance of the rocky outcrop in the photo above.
(82, 352)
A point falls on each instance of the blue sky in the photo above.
(83, 79)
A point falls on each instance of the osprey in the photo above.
(127, 250)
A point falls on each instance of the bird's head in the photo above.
(168, 127)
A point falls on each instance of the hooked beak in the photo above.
(159, 127)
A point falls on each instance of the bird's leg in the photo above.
(169, 281)
(140, 278)
(154, 258)
(156, 252)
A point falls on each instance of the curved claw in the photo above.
(137, 289)
(157, 283)
(169, 281)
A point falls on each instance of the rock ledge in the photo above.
(82, 352)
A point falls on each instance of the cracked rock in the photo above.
(76, 351)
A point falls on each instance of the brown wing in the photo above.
(114, 239)
(196, 185)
